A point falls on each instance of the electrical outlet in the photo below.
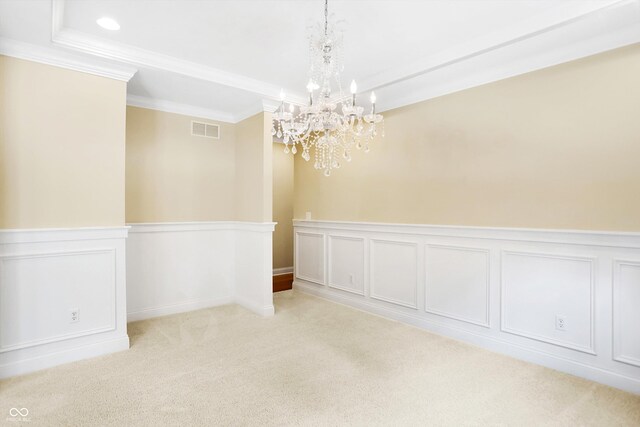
(561, 323)
(74, 315)
(352, 279)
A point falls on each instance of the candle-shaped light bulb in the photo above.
(281, 94)
(353, 87)
(373, 97)
(291, 108)
(311, 86)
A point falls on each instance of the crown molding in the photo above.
(249, 112)
(100, 47)
(177, 108)
(558, 18)
(270, 105)
(203, 113)
(267, 106)
(612, 27)
(51, 56)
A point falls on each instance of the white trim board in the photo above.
(262, 310)
(282, 270)
(70, 61)
(68, 355)
(181, 307)
(542, 235)
(199, 112)
(40, 235)
(176, 108)
(163, 227)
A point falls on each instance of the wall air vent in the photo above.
(206, 130)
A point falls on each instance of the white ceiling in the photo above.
(221, 59)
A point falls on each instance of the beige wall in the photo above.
(282, 207)
(62, 147)
(555, 148)
(253, 176)
(173, 176)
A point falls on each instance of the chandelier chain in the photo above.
(326, 16)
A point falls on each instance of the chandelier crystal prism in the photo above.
(331, 124)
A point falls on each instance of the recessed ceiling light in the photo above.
(108, 24)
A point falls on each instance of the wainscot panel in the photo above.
(346, 263)
(311, 266)
(460, 271)
(626, 323)
(394, 272)
(62, 296)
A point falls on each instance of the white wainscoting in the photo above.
(346, 263)
(311, 266)
(459, 271)
(537, 287)
(254, 267)
(47, 274)
(501, 289)
(393, 270)
(178, 267)
(626, 312)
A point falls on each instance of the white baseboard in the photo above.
(198, 305)
(282, 270)
(177, 308)
(264, 311)
(71, 354)
(494, 344)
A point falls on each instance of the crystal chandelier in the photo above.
(332, 126)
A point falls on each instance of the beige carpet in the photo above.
(314, 363)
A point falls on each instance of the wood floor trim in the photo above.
(282, 282)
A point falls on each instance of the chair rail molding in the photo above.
(503, 289)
